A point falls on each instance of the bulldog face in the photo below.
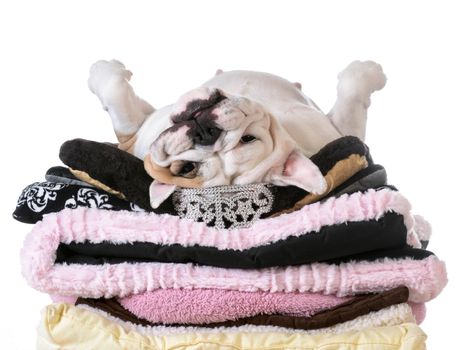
(217, 139)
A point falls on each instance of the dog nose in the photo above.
(203, 131)
(198, 117)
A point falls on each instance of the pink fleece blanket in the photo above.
(302, 304)
(425, 278)
(199, 306)
(96, 225)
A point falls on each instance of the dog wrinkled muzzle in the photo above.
(194, 123)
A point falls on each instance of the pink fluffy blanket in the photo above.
(95, 226)
(425, 278)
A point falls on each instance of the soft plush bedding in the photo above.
(389, 316)
(262, 257)
(65, 326)
(259, 200)
(340, 242)
(215, 305)
(339, 227)
(60, 192)
(425, 278)
(344, 312)
(83, 224)
(199, 306)
(125, 174)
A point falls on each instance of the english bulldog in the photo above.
(239, 127)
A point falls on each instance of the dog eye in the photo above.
(186, 168)
(247, 139)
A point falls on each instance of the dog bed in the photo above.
(124, 175)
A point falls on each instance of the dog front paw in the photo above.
(360, 79)
(102, 72)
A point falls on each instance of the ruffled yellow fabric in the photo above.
(68, 327)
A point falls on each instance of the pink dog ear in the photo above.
(300, 171)
(159, 192)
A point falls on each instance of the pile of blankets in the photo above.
(233, 267)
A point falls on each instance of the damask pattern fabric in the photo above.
(42, 198)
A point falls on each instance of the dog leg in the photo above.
(356, 83)
(109, 80)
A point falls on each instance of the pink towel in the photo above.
(140, 305)
(214, 305)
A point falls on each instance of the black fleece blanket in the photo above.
(332, 243)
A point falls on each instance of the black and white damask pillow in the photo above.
(42, 198)
(37, 196)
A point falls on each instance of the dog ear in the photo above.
(299, 171)
(159, 192)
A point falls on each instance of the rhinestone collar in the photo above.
(224, 206)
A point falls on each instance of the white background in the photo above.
(414, 129)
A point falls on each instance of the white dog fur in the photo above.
(260, 127)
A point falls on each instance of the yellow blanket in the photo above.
(68, 327)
